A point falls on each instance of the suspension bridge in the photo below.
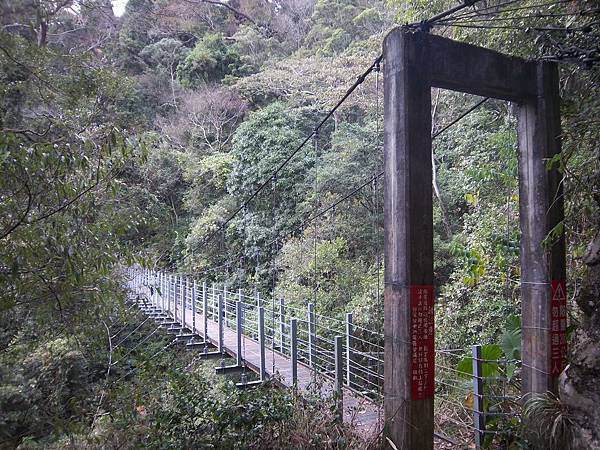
(260, 339)
(396, 392)
(294, 348)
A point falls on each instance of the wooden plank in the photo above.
(541, 210)
(408, 219)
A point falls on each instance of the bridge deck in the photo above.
(361, 412)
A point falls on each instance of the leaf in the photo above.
(513, 323)
(489, 352)
(510, 341)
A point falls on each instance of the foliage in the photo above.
(548, 424)
(139, 136)
(165, 54)
(210, 60)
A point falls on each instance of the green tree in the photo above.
(211, 60)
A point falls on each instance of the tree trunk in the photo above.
(42, 33)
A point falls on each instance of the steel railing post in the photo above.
(169, 287)
(240, 330)
(213, 301)
(349, 343)
(220, 321)
(478, 409)
(225, 304)
(294, 350)
(161, 282)
(339, 376)
(194, 295)
(311, 334)
(205, 309)
(281, 325)
(261, 340)
(174, 282)
(183, 293)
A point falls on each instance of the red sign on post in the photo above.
(558, 327)
(422, 341)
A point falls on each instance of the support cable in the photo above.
(500, 8)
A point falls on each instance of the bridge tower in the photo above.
(414, 62)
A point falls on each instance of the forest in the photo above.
(183, 136)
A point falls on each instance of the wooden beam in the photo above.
(541, 211)
(480, 71)
(408, 218)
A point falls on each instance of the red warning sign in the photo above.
(558, 327)
(422, 341)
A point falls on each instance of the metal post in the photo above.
(258, 300)
(241, 300)
(220, 321)
(349, 353)
(339, 377)
(225, 304)
(184, 286)
(281, 325)
(154, 290)
(169, 294)
(175, 295)
(240, 330)
(204, 309)
(156, 286)
(261, 340)
(294, 350)
(149, 292)
(212, 302)
(478, 411)
(162, 291)
(194, 293)
(311, 334)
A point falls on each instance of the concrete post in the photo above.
(541, 211)
(408, 220)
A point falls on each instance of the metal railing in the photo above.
(347, 353)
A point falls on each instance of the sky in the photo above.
(119, 7)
